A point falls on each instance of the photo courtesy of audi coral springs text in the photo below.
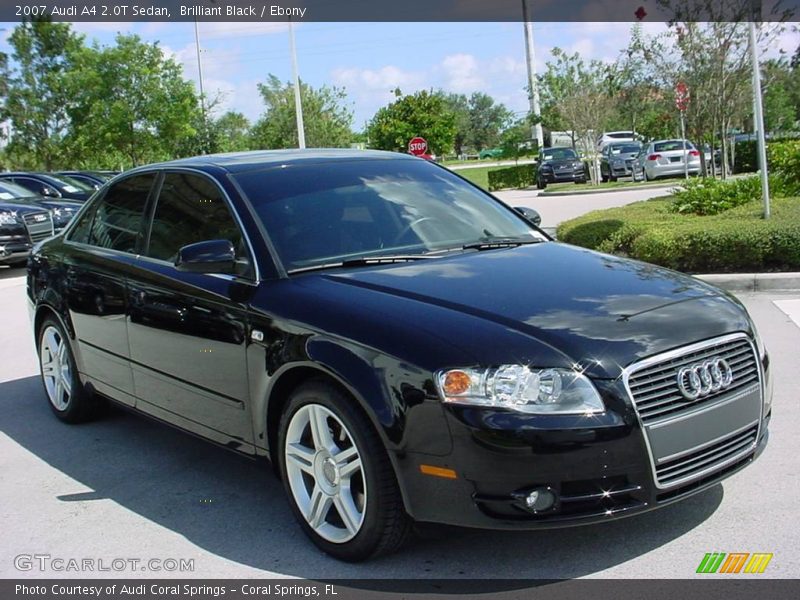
(400, 344)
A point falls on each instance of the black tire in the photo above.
(73, 404)
(580, 181)
(604, 178)
(613, 178)
(385, 524)
(540, 183)
(17, 264)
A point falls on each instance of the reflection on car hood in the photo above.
(601, 311)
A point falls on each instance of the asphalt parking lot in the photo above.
(125, 487)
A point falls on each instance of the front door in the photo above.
(188, 331)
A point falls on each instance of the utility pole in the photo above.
(202, 92)
(298, 103)
(758, 116)
(533, 88)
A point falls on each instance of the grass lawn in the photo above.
(478, 175)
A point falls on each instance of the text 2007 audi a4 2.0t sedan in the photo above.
(399, 343)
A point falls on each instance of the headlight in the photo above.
(577, 165)
(520, 388)
(8, 218)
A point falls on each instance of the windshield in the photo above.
(12, 190)
(75, 185)
(317, 214)
(559, 153)
(624, 148)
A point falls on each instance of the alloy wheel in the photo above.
(56, 370)
(325, 473)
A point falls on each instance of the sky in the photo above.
(371, 59)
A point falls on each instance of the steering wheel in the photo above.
(408, 228)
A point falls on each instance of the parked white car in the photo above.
(664, 158)
(615, 136)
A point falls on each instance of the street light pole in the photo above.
(533, 89)
(759, 118)
(298, 103)
(200, 77)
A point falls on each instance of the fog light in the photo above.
(538, 499)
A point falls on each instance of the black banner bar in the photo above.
(713, 587)
(401, 10)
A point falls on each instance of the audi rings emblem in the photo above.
(702, 379)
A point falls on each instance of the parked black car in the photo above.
(62, 211)
(21, 226)
(48, 185)
(557, 165)
(402, 345)
(616, 160)
(93, 179)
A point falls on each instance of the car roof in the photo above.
(245, 161)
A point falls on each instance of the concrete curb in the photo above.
(754, 282)
(544, 194)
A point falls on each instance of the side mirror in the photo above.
(211, 256)
(50, 192)
(530, 214)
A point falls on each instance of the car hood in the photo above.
(21, 208)
(596, 311)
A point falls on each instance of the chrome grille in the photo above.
(712, 457)
(655, 389)
(39, 229)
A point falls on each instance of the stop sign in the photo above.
(418, 146)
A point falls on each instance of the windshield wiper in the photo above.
(492, 243)
(363, 261)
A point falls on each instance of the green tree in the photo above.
(327, 117)
(582, 94)
(514, 137)
(130, 103)
(779, 83)
(425, 114)
(37, 98)
(486, 120)
(458, 104)
(232, 132)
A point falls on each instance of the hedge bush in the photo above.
(737, 240)
(519, 176)
(708, 196)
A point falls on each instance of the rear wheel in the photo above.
(68, 399)
(338, 477)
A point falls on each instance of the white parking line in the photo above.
(791, 308)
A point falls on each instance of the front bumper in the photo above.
(15, 251)
(563, 176)
(598, 468)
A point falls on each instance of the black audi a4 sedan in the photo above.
(400, 344)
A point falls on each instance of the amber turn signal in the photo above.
(456, 383)
(438, 471)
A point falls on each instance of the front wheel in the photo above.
(337, 475)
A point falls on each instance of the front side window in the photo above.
(190, 209)
(117, 221)
(318, 214)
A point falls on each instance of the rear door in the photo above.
(98, 254)
(188, 331)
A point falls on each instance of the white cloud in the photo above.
(461, 73)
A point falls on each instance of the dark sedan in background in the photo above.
(402, 345)
(61, 210)
(558, 165)
(21, 226)
(44, 184)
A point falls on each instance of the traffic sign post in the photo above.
(418, 146)
(682, 103)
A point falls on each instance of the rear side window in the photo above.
(190, 209)
(117, 221)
